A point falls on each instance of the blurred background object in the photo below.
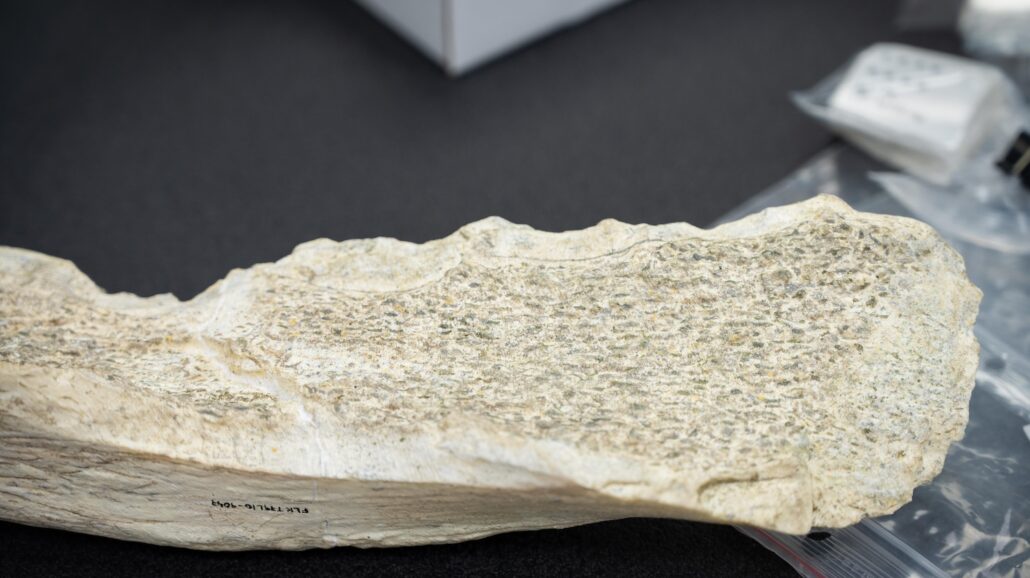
(995, 31)
(462, 34)
(998, 31)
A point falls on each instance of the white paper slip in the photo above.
(928, 96)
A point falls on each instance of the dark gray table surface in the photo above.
(160, 144)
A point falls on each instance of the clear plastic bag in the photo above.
(944, 120)
(930, 114)
(974, 518)
(990, 215)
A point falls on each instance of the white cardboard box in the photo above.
(461, 34)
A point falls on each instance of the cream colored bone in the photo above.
(805, 366)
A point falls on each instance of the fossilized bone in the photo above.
(806, 366)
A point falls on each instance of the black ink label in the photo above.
(259, 507)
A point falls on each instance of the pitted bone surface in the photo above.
(807, 366)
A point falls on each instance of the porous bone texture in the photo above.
(805, 366)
